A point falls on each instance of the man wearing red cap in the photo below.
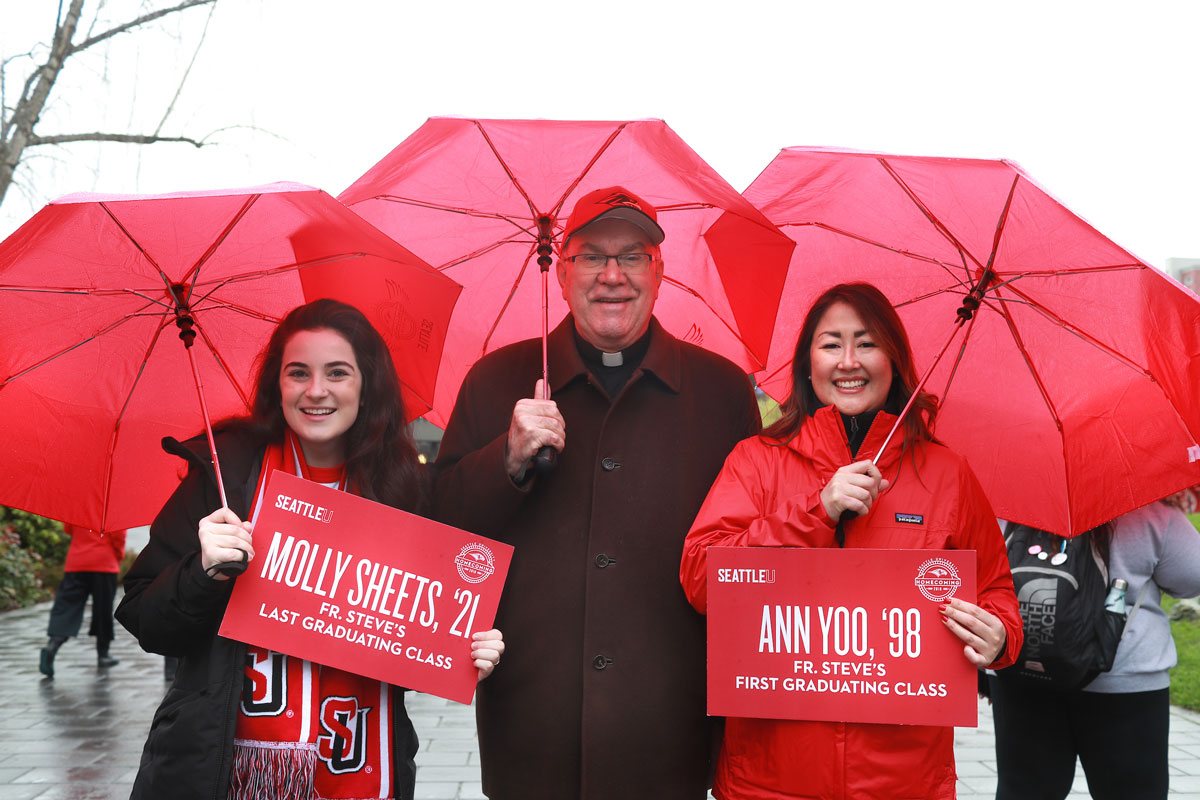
(602, 690)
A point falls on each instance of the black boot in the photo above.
(46, 662)
(103, 659)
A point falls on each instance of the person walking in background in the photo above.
(603, 695)
(93, 562)
(808, 481)
(1117, 724)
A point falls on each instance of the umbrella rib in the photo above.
(951, 269)
(193, 273)
(1083, 335)
(135, 242)
(937, 223)
(91, 337)
(521, 227)
(1000, 223)
(736, 334)
(586, 169)
(142, 293)
(1030, 273)
(962, 349)
(504, 307)
(477, 253)
(221, 361)
(533, 212)
(116, 431)
(237, 309)
(469, 212)
(1037, 379)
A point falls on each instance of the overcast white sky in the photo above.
(1099, 101)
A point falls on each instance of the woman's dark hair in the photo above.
(381, 460)
(885, 326)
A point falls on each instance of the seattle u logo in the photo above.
(343, 746)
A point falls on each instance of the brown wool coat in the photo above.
(601, 692)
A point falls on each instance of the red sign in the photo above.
(844, 635)
(360, 586)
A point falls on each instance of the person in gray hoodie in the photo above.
(1117, 724)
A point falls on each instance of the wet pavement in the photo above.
(79, 736)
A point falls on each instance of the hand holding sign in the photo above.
(357, 585)
(486, 649)
(981, 631)
(847, 635)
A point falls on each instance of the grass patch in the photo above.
(1185, 677)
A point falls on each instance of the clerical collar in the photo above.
(595, 357)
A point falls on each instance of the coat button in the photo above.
(609, 464)
(601, 662)
(603, 561)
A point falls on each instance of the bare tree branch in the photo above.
(127, 138)
(142, 20)
(186, 72)
(17, 124)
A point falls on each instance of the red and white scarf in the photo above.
(306, 731)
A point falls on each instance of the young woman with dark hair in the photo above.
(809, 481)
(241, 721)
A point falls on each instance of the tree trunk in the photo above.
(30, 105)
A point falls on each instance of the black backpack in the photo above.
(1070, 637)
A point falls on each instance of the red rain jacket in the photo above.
(94, 552)
(768, 494)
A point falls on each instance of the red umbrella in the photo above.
(467, 196)
(97, 291)
(1072, 390)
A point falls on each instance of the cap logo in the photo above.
(621, 199)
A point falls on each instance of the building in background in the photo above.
(1186, 271)
(427, 437)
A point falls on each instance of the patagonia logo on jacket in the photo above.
(911, 519)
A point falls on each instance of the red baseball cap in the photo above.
(615, 202)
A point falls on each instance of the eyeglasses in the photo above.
(630, 263)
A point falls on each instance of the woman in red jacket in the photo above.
(852, 373)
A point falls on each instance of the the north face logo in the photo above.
(343, 746)
(1038, 601)
(621, 199)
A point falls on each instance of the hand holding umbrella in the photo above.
(536, 427)
(224, 539)
(852, 490)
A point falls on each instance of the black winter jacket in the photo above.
(173, 608)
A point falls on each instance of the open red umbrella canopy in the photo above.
(1074, 391)
(93, 372)
(466, 195)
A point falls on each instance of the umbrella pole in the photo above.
(187, 334)
(965, 312)
(547, 456)
(212, 445)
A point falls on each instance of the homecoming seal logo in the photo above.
(475, 563)
(937, 579)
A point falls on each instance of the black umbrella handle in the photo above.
(544, 461)
(231, 568)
